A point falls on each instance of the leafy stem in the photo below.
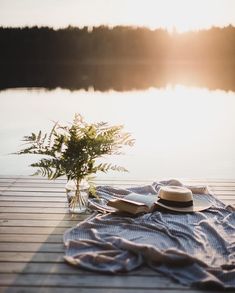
(72, 150)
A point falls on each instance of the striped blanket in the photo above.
(195, 249)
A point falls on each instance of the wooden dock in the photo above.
(33, 218)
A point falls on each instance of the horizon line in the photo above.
(90, 28)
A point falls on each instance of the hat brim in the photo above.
(198, 205)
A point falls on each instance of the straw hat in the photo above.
(180, 199)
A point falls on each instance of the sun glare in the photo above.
(180, 15)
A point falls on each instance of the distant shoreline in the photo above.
(116, 46)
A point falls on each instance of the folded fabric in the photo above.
(196, 249)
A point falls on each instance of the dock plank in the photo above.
(39, 216)
(88, 281)
(31, 247)
(33, 230)
(32, 257)
(61, 268)
(37, 223)
(33, 218)
(32, 238)
(33, 199)
(33, 204)
(45, 289)
(33, 209)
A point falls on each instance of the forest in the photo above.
(120, 44)
(119, 58)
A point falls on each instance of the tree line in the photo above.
(117, 44)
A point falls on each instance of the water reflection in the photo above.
(122, 77)
(180, 131)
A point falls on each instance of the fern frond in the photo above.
(72, 150)
(49, 143)
(118, 168)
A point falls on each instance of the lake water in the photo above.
(181, 131)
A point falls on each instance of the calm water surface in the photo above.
(180, 131)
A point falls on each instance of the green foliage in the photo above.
(72, 150)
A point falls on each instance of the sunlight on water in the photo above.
(179, 131)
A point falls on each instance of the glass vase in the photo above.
(77, 198)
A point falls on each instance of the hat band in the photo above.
(178, 204)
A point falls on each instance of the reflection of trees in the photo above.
(116, 44)
(118, 77)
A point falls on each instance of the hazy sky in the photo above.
(181, 14)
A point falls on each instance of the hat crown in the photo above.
(175, 193)
(180, 199)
